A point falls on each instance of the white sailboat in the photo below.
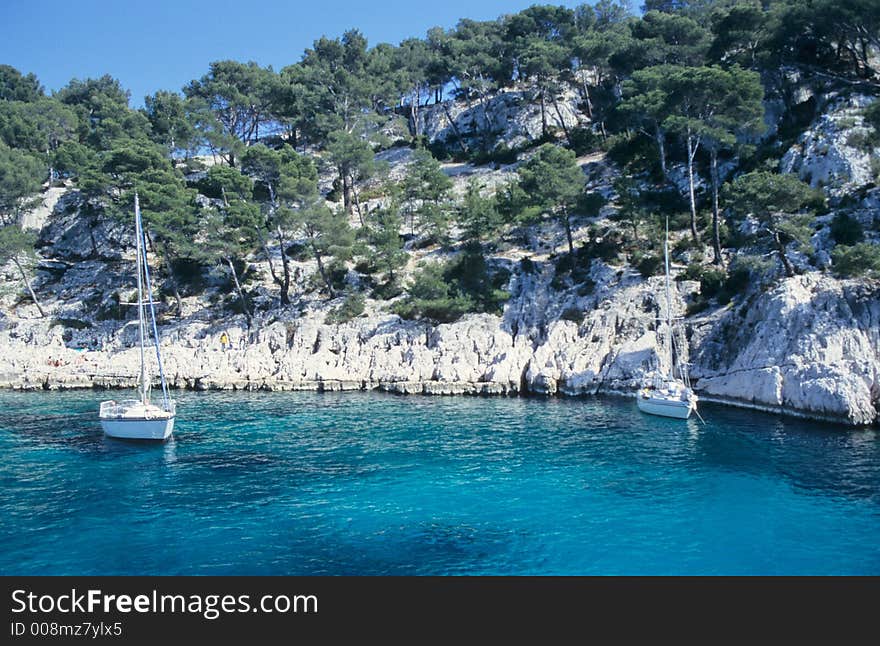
(139, 419)
(668, 395)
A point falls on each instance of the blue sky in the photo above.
(163, 44)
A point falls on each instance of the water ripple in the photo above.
(364, 483)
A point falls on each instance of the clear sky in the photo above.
(162, 44)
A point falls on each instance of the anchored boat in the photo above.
(139, 419)
(668, 395)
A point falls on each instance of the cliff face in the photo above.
(810, 345)
(511, 118)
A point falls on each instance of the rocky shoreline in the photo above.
(810, 347)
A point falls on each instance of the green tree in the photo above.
(709, 106)
(326, 234)
(171, 220)
(14, 86)
(15, 245)
(426, 190)
(387, 243)
(291, 181)
(353, 158)
(827, 37)
(230, 235)
(779, 205)
(735, 106)
(552, 182)
(20, 176)
(738, 32)
(647, 104)
(171, 122)
(538, 42)
(443, 292)
(631, 207)
(667, 39)
(227, 183)
(430, 296)
(478, 215)
(597, 52)
(240, 97)
(860, 259)
(476, 65)
(409, 72)
(331, 86)
(102, 111)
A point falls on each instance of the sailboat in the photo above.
(139, 419)
(668, 395)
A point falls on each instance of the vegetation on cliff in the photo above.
(675, 97)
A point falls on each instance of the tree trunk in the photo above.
(173, 280)
(357, 202)
(272, 272)
(561, 119)
(284, 283)
(588, 99)
(323, 271)
(660, 136)
(692, 151)
(455, 129)
(346, 190)
(414, 113)
(716, 226)
(567, 222)
(244, 307)
(29, 288)
(780, 248)
(543, 115)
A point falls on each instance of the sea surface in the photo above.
(372, 484)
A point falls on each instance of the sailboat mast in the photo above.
(668, 301)
(140, 287)
(149, 289)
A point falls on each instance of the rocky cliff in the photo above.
(810, 345)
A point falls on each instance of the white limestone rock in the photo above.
(832, 154)
(811, 345)
(510, 117)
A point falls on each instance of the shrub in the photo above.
(872, 118)
(712, 281)
(862, 259)
(366, 266)
(387, 290)
(846, 230)
(584, 140)
(634, 152)
(574, 314)
(744, 271)
(74, 324)
(603, 244)
(860, 139)
(648, 264)
(189, 274)
(443, 292)
(694, 271)
(351, 308)
(696, 306)
(502, 154)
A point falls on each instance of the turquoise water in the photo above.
(364, 483)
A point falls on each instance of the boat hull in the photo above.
(139, 429)
(675, 409)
